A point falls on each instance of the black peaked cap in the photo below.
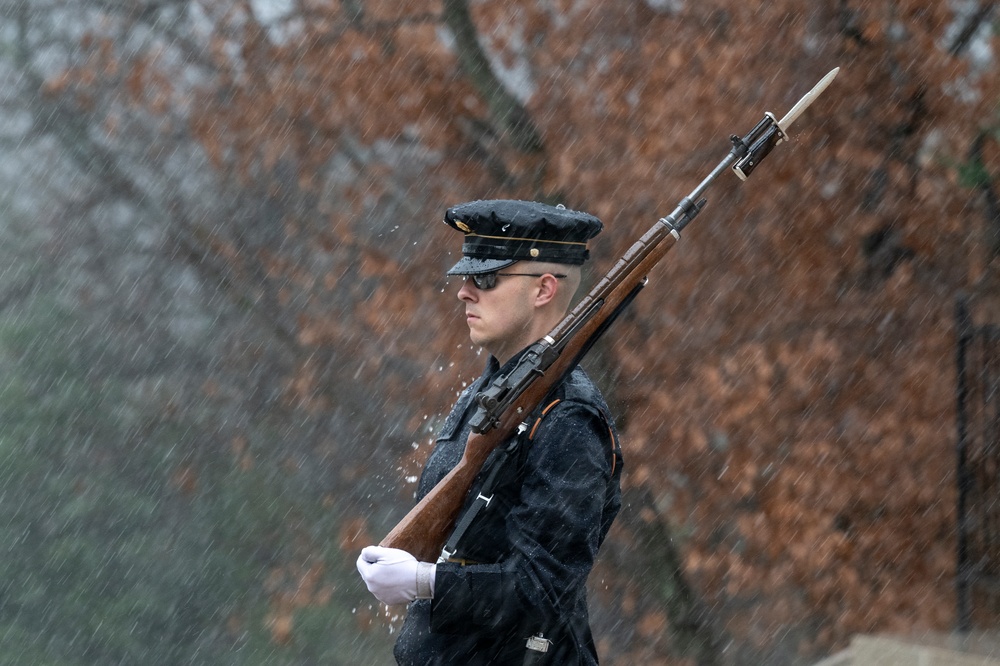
(500, 232)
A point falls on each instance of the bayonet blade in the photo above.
(806, 100)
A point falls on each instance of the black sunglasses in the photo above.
(486, 281)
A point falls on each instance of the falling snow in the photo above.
(227, 342)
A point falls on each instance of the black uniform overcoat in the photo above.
(527, 555)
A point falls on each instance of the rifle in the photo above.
(503, 406)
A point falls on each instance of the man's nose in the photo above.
(468, 290)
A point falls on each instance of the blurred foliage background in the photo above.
(226, 340)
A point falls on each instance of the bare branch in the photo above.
(511, 117)
(971, 27)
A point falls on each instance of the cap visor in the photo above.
(472, 266)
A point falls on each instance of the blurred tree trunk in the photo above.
(692, 634)
(522, 168)
(977, 175)
(511, 119)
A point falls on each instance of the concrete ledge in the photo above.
(948, 650)
(842, 658)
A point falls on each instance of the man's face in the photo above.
(501, 319)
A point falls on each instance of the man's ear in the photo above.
(548, 287)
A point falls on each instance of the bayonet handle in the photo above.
(760, 148)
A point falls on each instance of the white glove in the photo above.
(394, 576)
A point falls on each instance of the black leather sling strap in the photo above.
(485, 495)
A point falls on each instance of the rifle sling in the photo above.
(481, 501)
(486, 491)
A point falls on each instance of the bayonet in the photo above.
(769, 132)
(806, 100)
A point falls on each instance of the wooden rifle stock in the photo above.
(511, 398)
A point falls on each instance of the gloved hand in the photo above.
(394, 576)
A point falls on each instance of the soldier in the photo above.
(513, 589)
